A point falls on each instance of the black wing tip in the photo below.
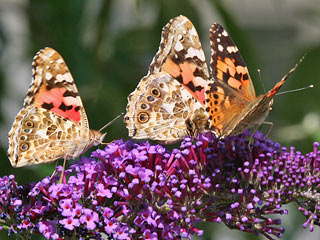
(216, 27)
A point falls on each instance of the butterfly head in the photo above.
(96, 137)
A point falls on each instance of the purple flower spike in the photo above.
(140, 191)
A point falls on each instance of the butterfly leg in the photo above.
(106, 143)
(54, 171)
(270, 128)
(63, 168)
(251, 140)
(256, 128)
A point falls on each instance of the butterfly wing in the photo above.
(159, 109)
(181, 56)
(232, 92)
(53, 123)
(53, 88)
(179, 74)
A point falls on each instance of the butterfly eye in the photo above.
(155, 92)
(29, 124)
(143, 117)
(24, 147)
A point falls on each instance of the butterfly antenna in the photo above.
(295, 90)
(291, 71)
(259, 73)
(294, 68)
(112, 121)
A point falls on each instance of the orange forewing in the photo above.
(184, 72)
(55, 101)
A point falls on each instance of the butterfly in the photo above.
(52, 123)
(231, 101)
(178, 98)
(169, 103)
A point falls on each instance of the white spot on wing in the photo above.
(48, 76)
(193, 32)
(71, 101)
(59, 60)
(64, 77)
(224, 33)
(232, 49)
(199, 81)
(68, 77)
(220, 47)
(192, 52)
(178, 46)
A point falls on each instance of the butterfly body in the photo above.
(53, 123)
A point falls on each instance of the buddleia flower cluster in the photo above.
(136, 190)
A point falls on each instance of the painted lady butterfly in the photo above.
(160, 108)
(231, 99)
(52, 123)
(178, 98)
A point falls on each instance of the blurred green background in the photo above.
(108, 46)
